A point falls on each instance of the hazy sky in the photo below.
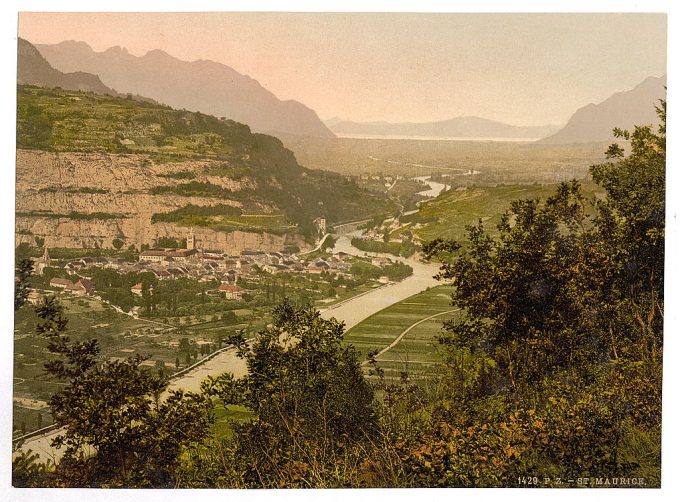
(525, 69)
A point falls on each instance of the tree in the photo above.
(328, 243)
(563, 331)
(118, 243)
(309, 397)
(160, 367)
(22, 275)
(631, 226)
(39, 241)
(117, 431)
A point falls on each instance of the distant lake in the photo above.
(431, 138)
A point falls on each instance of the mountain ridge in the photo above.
(624, 109)
(34, 69)
(202, 85)
(462, 127)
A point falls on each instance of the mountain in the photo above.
(595, 122)
(202, 85)
(460, 127)
(33, 68)
(94, 167)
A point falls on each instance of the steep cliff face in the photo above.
(88, 200)
(69, 233)
(99, 167)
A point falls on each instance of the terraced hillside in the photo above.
(94, 168)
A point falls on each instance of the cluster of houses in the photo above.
(199, 264)
(210, 265)
(81, 287)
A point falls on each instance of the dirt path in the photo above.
(406, 331)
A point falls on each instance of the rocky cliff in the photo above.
(88, 200)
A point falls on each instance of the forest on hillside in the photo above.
(553, 373)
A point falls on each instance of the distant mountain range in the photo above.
(594, 122)
(204, 86)
(460, 127)
(217, 89)
(33, 69)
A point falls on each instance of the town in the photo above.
(232, 277)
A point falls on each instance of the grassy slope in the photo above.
(447, 215)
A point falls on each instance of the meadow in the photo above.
(449, 214)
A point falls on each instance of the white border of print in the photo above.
(671, 399)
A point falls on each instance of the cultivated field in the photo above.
(409, 330)
(119, 336)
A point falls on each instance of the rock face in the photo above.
(33, 69)
(203, 86)
(117, 186)
(595, 122)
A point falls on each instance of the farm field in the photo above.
(119, 335)
(421, 316)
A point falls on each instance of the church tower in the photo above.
(191, 240)
(42, 262)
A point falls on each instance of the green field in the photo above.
(119, 336)
(447, 215)
(226, 415)
(417, 352)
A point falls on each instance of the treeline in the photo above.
(394, 271)
(554, 371)
(195, 189)
(405, 248)
(189, 211)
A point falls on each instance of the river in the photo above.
(352, 311)
(355, 310)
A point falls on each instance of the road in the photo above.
(318, 246)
